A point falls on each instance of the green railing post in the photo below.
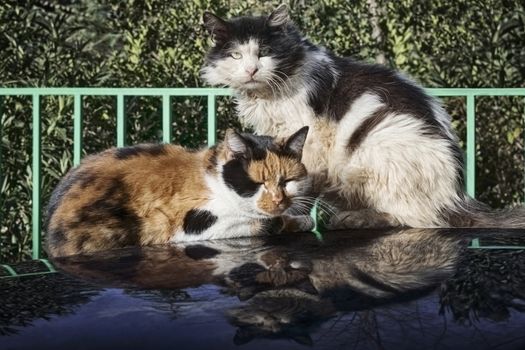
(13, 273)
(36, 205)
(211, 94)
(121, 121)
(1, 143)
(471, 146)
(10, 270)
(166, 119)
(212, 121)
(77, 129)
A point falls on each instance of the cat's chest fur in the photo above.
(275, 116)
(223, 215)
(278, 117)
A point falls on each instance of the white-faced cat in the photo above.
(153, 194)
(382, 150)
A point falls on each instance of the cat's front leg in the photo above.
(362, 218)
(283, 224)
(297, 223)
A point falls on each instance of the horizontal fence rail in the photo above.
(166, 94)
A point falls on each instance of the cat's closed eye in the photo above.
(284, 182)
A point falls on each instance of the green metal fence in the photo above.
(211, 94)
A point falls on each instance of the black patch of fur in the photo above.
(355, 79)
(235, 176)
(82, 239)
(197, 221)
(112, 210)
(199, 252)
(56, 237)
(362, 131)
(133, 151)
(260, 145)
(73, 177)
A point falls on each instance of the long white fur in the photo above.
(399, 169)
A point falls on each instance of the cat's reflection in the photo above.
(292, 290)
(288, 284)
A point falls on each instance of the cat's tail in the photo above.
(475, 214)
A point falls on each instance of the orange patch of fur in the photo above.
(160, 190)
(273, 171)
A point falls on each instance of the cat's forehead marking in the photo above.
(248, 48)
(275, 167)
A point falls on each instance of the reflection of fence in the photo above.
(12, 272)
(476, 244)
(167, 94)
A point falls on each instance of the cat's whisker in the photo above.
(285, 88)
(302, 209)
(274, 86)
(311, 201)
(285, 80)
(271, 85)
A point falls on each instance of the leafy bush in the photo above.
(157, 43)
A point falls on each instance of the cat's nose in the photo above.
(251, 70)
(277, 198)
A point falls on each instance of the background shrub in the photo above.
(161, 43)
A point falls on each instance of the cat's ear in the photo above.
(295, 143)
(236, 145)
(279, 16)
(216, 26)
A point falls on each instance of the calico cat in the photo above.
(382, 150)
(151, 194)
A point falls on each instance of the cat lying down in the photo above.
(159, 193)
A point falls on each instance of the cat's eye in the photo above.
(264, 51)
(236, 55)
(283, 182)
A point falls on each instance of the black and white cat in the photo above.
(382, 150)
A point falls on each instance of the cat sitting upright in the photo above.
(383, 152)
(152, 194)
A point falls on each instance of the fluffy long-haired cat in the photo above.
(383, 150)
(152, 194)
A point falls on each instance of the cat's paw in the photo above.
(302, 223)
(364, 218)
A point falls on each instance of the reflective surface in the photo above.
(400, 289)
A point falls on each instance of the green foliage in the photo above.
(156, 43)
